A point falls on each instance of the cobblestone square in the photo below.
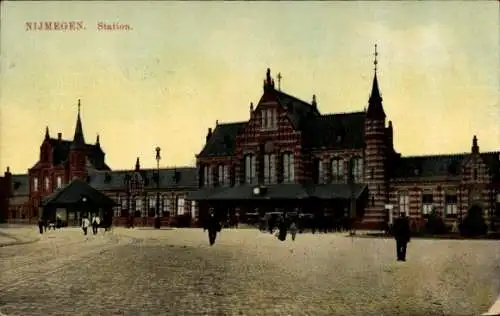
(175, 272)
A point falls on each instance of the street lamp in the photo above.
(157, 209)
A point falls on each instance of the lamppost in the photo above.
(157, 208)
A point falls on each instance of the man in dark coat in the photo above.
(40, 225)
(283, 228)
(213, 228)
(401, 230)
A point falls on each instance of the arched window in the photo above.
(269, 168)
(288, 168)
(337, 170)
(357, 169)
(250, 172)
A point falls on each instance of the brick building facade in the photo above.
(288, 156)
(136, 190)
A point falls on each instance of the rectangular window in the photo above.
(210, 175)
(170, 207)
(269, 168)
(288, 168)
(139, 207)
(404, 203)
(152, 202)
(205, 176)
(47, 184)
(427, 203)
(118, 208)
(337, 170)
(194, 209)
(451, 205)
(321, 176)
(35, 184)
(180, 206)
(357, 170)
(250, 169)
(264, 119)
(226, 175)
(223, 175)
(59, 182)
(164, 204)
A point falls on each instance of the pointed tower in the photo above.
(375, 156)
(77, 152)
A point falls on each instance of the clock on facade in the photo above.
(256, 191)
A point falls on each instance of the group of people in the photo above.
(44, 224)
(401, 230)
(86, 223)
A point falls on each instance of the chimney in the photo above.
(209, 134)
(314, 103)
(251, 109)
(8, 181)
(59, 136)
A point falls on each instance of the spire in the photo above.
(268, 82)
(78, 139)
(97, 140)
(375, 108)
(47, 136)
(475, 147)
(137, 165)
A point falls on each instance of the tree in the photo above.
(435, 224)
(474, 224)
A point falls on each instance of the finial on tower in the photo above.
(79, 104)
(97, 140)
(314, 103)
(475, 147)
(47, 132)
(137, 165)
(375, 62)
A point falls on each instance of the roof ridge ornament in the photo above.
(375, 62)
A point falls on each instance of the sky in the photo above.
(184, 65)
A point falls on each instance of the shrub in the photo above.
(435, 224)
(473, 224)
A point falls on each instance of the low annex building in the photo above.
(134, 191)
(291, 157)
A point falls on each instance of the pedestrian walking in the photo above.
(293, 230)
(85, 225)
(213, 227)
(401, 230)
(40, 225)
(96, 221)
(283, 229)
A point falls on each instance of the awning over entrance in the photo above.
(280, 192)
(76, 192)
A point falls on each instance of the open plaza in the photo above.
(246, 272)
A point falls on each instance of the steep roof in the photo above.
(61, 149)
(375, 108)
(335, 131)
(74, 192)
(298, 111)
(223, 140)
(20, 185)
